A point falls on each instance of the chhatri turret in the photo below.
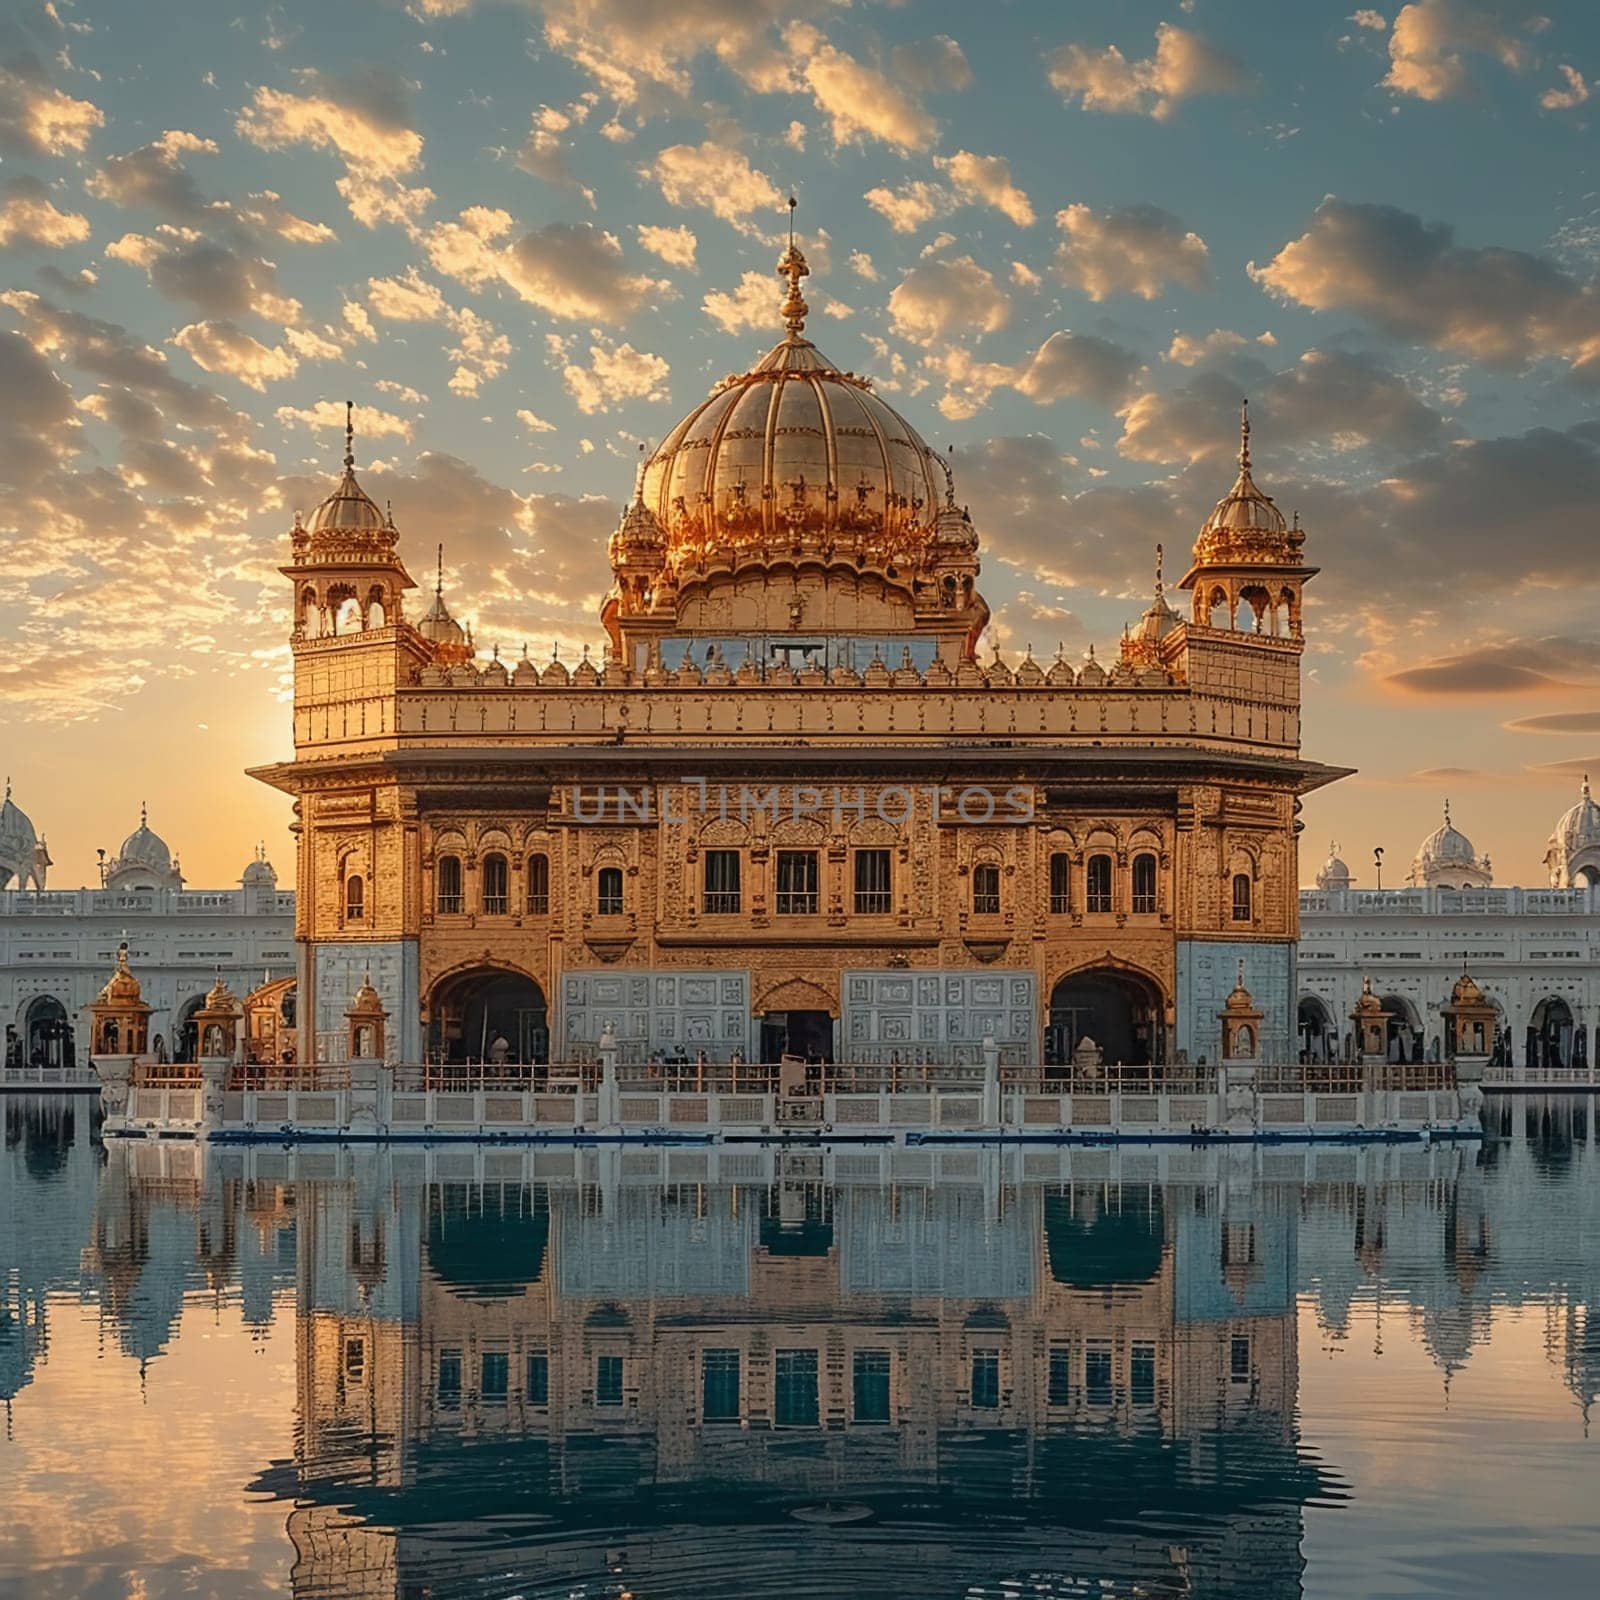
(345, 564)
(1248, 569)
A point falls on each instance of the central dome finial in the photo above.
(792, 265)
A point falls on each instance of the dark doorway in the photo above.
(1319, 1039)
(472, 1010)
(185, 1036)
(50, 1042)
(797, 1033)
(1119, 1011)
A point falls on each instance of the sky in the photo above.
(525, 236)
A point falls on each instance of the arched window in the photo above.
(986, 889)
(1097, 884)
(1241, 897)
(608, 891)
(1144, 884)
(496, 885)
(1060, 884)
(449, 883)
(355, 898)
(539, 885)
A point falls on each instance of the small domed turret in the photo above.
(1573, 855)
(1333, 874)
(1446, 860)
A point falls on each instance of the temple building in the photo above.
(796, 808)
(1535, 952)
(57, 945)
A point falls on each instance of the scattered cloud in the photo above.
(613, 374)
(1512, 666)
(752, 305)
(156, 177)
(1184, 66)
(222, 346)
(1411, 278)
(573, 270)
(1558, 722)
(715, 178)
(1432, 38)
(1335, 399)
(988, 180)
(1573, 91)
(1135, 250)
(676, 246)
(913, 204)
(363, 118)
(28, 217)
(327, 417)
(862, 101)
(937, 298)
(36, 118)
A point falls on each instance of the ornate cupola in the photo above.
(1248, 569)
(1144, 646)
(1572, 856)
(637, 551)
(1447, 860)
(345, 564)
(794, 500)
(450, 642)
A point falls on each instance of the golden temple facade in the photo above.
(797, 809)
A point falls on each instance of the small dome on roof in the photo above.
(1466, 992)
(1333, 874)
(1447, 860)
(1573, 855)
(259, 873)
(145, 848)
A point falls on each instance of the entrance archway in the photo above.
(469, 1011)
(1405, 1031)
(185, 1036)
(48, 1034)
(1120, 1011)
(1550, 1034)
(1319, 1039)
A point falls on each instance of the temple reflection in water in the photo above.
(694, 1372)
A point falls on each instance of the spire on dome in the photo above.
(1244, 435)
(1161, 588)
(349, 435)
(792, 265)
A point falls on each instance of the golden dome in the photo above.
(349, 516)
(794, 454)
(1245, 526)
(219, 997)
(1368, 1004)
(1240, 1000)
(1466, 992)
(452, 644)
(367, 1002)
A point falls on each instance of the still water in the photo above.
(563, 1374)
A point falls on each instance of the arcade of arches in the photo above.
(1553, 1038)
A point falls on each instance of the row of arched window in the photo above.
(494, 886)
(872, 886)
